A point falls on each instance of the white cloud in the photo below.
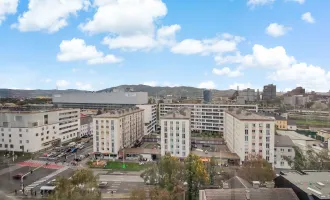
(298, 1)
(62, 83)
(241, 86)
(48, 80)
(218, 45)
(130, 43)
(49, 15)
(125, 17)
(166, 34)
(227, 72)
(84, 86)
(151, 83)
(253, 3)
(207, 85)
(307, 17)
(76, 49)
(277, 30)
(7, 7)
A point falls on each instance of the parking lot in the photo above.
(121, 183)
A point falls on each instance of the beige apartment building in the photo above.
(116, 130)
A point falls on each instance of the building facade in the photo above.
(32, 131)
(249, 134)
(116, 130)
(247, 95)
(283, 148)
(207, 96)
(205, 117)
(93, 100)
(150, 117)
(175, 133)
(86, 125)
(269, 92)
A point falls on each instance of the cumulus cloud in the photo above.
(277, 30)
(49, 15)
(218, 45)
(7, 7)
(253, 3)
(307, 17)
(207, 85)
(76, 49)
(227, 72)
(62, 83)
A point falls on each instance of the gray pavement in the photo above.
(8, 184)
(121, 178)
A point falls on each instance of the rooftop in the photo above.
(246, 115)
(292, 122)
(236, 182)
(276, 116)
(255, 194)
(283, 141)
(294, 135)
(311, 182)
(27, 111)
(119, 113)
(181, 113)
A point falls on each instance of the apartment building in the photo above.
(116, 130)
(150, 117)
(205, 117)
(283, 148)
(249, 134)
(86, 125)
(32, 131)
(175, 133)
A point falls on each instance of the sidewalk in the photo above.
(9, 169)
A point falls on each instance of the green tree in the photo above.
(256, 169)
(211, 169)
(82, 185)
(195, 174)
(138, 194)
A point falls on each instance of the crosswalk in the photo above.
(39, 163)
(38, 182)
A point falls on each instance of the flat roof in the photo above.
(22, 111)
(311, 182)
(246, 115)
(181, 113)
(119, 113)
(283, 141)
(294, 135)
(255, 194)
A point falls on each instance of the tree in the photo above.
(138, 194)
(81, 186)
(211, 169)
(256, 169)
(195, 174)
(156, 193)
(99, 112)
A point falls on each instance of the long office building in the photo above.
(116, 130)
(249, 134)
(94, 100)
(32, 131)
(205, 117)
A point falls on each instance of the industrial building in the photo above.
(205, 117)
(175, 133)
(32, 131)
(117, 129)
(249, 134)
(94, 100)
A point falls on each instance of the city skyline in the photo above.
(90, 45)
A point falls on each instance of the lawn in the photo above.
(313, 122)
(129, 166)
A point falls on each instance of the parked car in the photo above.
(206, 145)
(103, 184)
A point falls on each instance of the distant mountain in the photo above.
(12, 93)
(181, 91)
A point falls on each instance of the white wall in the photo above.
(280, 152)
(176, 144)
(150, 117)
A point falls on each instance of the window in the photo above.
(260, 125)
(267, 132)
(36, 134)
(11, 146)
(253, 144)
(183, 135)
(282, 150)
(289, 150)
(177, 134)
(246, 125)
(267, 125)
(267, 145)
(9, 140)
(20, 141)
(246, 132)
(42, 139)
(0, 145)
(9, 135)
(267, 152)
(260, 131)
(20, 130)
(282, 163)
(260, 144)
(246, 138)
(42, 134)
(47, 138)
(253, 125)
(267, 158)
(20, 135)
(3, 140)
(267, 139)
(53, 127)
(47, 132)
(6, 145)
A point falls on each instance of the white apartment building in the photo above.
(116, 130)
(86, 125)
(249, 134)
(150, 117)
(32, 131)
(175, 133)
(283, 148)
(205, 117)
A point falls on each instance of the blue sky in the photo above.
(96, 44)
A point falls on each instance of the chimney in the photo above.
(256, 184)
(248, 195)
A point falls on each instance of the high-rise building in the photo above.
(205, 117)
(249, 134)
(116, 130)
(269, 92)
(32, 131)
(207, 96)
(175, 133)
(150, 117)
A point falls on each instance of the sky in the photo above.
(214, 44)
